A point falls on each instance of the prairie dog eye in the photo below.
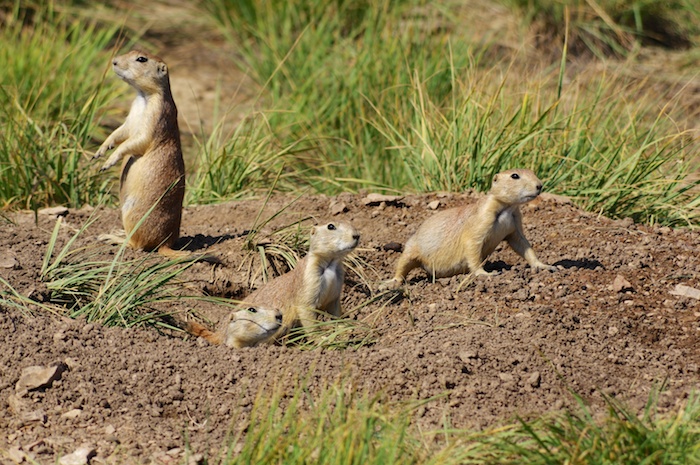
(515, 176)
(253, 310)
(331, 226)
(142, 59)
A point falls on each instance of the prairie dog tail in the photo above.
(199, 330)
(166, 251)
(172, 254)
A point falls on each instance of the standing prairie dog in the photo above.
(246, 327)
(458, 240)
(314, 285)
(153, 172)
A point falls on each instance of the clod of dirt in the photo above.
(393, 246)
(80, 457)
(54, 211)
(16, 454)
(434, 205)
(376, 199)
(23, 411)
(621, 284)
(686, 291)
(337, 207)
(9, 262)
(36, 377)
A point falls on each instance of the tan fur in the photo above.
(153, 172)
(246, 327)
(458, 240)
(315, 284)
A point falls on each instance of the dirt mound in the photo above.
(512, 344)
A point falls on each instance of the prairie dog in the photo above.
(314, 285)
(458, 240)
(246, 327)
(153, 172)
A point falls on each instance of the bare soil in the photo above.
(513, 344)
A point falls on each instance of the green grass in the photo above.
(118, 292)
(372, 100)
(614, 27)
(51, 98)
(386, 95)
(621, 437)
(338, 425)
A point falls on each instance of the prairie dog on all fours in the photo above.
(458, 240)
(153, 172)
(246, 327)
(315, 284)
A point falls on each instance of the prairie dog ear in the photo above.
(162, 69)
(495, 179)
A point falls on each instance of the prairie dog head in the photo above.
(334, 239)
(252, 325)
(516, 187)
(145, 72)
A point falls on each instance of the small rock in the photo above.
(22, 411)
(54, 211)
(37, 377)
(80, 457)
(109, 430)
(534, 379)
(625, 222)
(506, 377)
(393, 246)
(9, 262)
(195, 459)
(71, 414)
(337, 207)
(376, 199)
(620, 284)
(87, 328)
(434, 205)
(467, 355)
(612, 331)
(686, 291)
(15, 404)
(16, 455)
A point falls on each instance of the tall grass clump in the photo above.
(395, 96)
(322, 67)
(50, 98)
(612, 27)
(338, 424)
(117, 292)
(248, 160)
(621, 437)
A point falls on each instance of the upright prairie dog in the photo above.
(458, 240)
(314, 285)
(246, 327)
(153, 172)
